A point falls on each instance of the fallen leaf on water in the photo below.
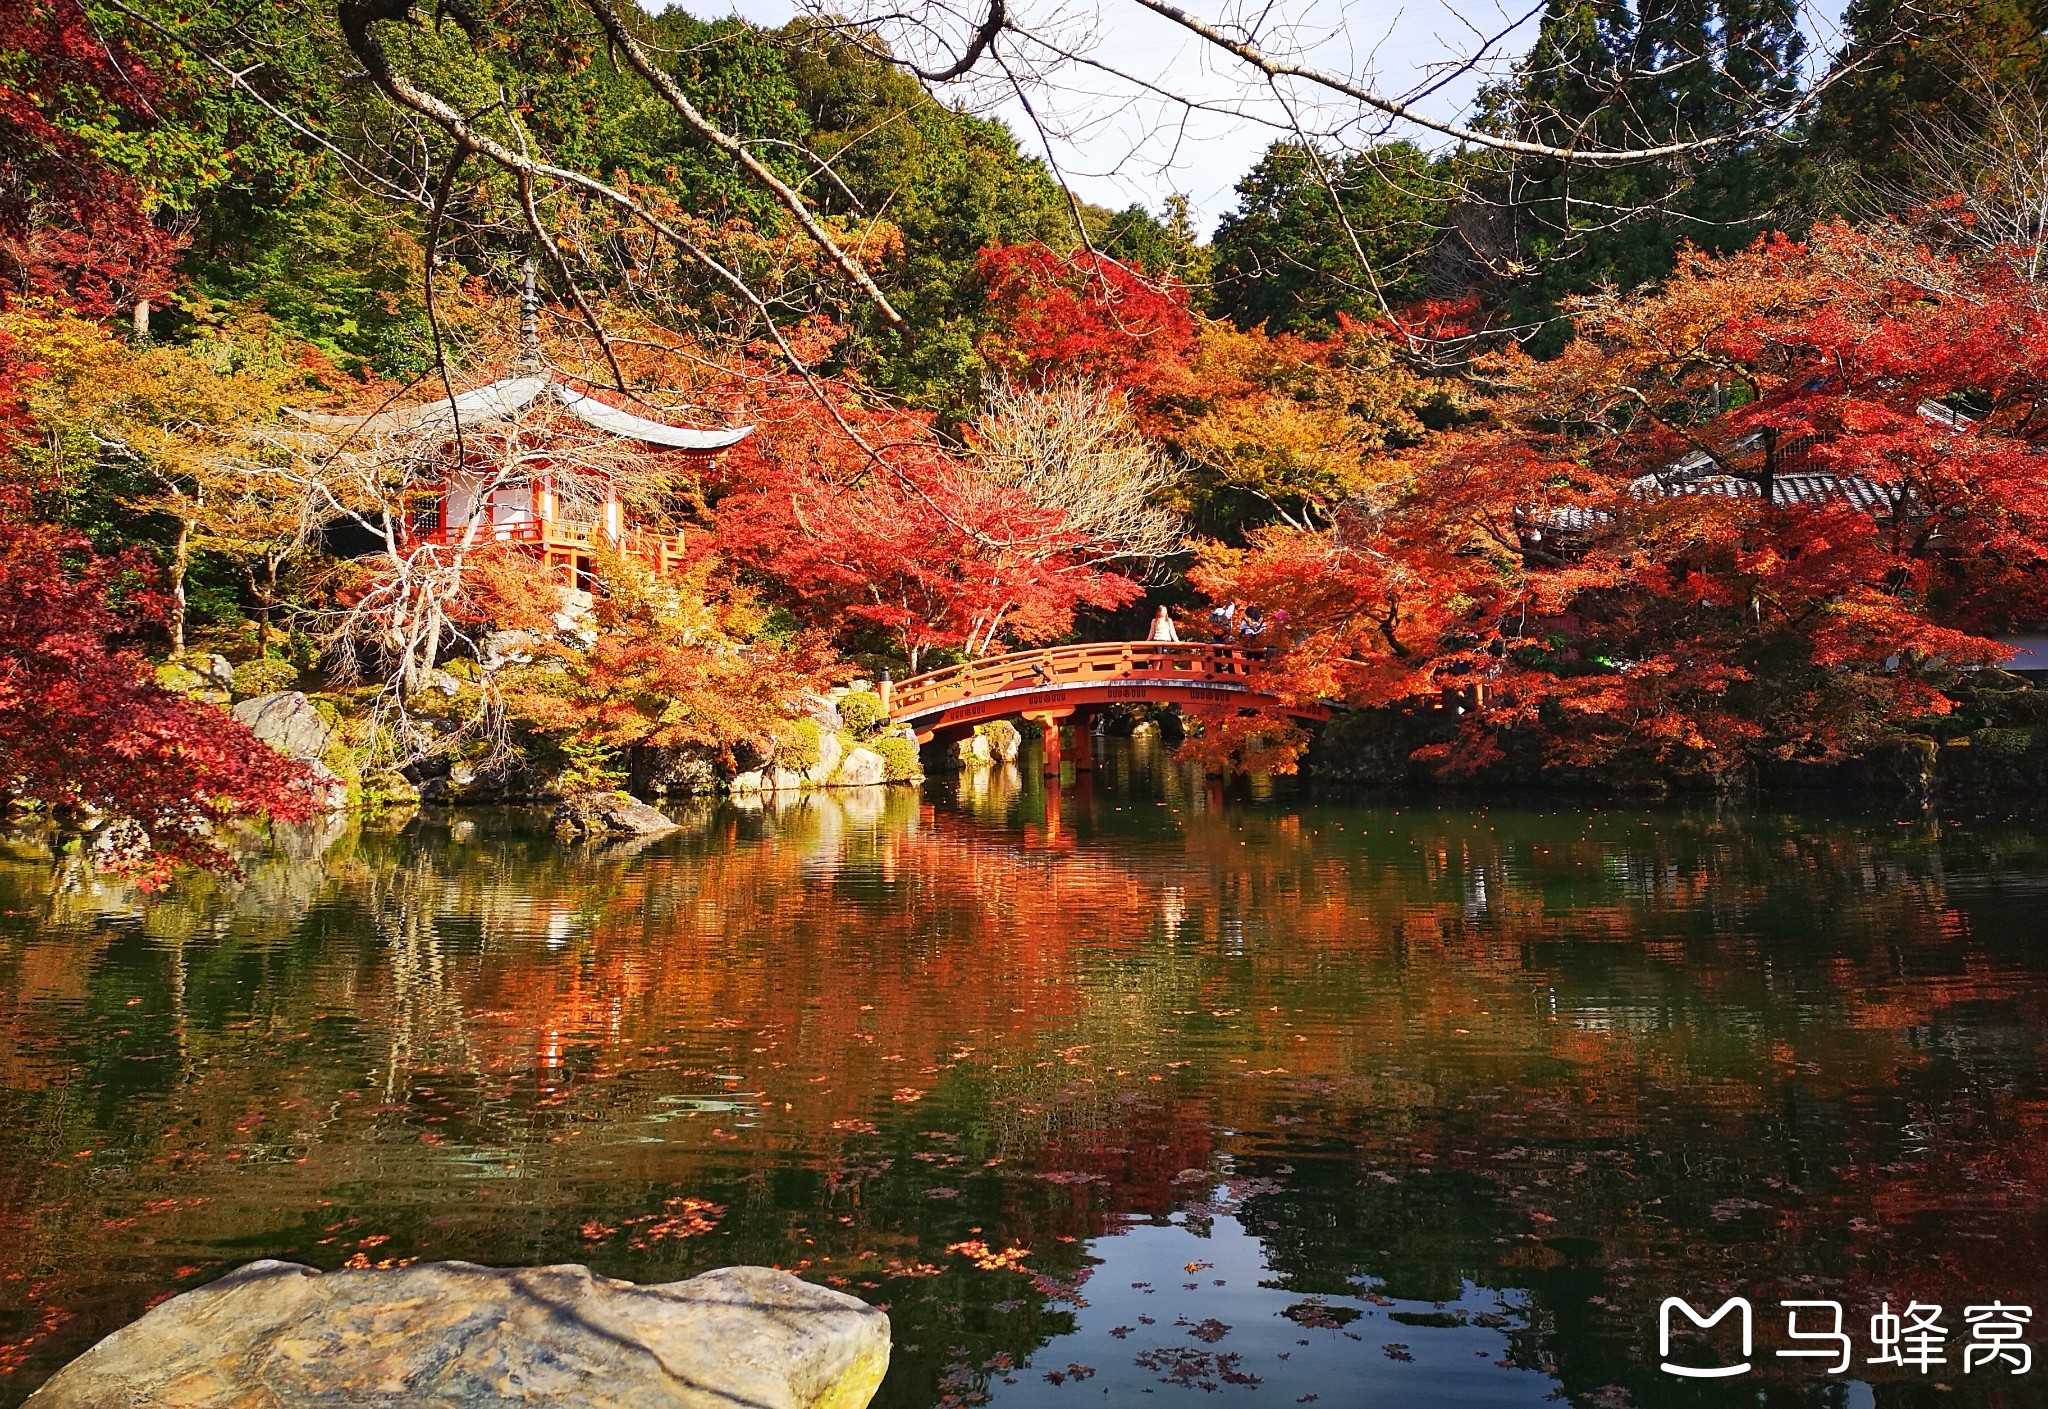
(1010, 1259)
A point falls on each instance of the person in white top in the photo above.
(1163, 628)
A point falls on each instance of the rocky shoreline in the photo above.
(843, 738)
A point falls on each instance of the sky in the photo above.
(1114, 143)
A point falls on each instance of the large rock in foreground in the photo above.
(277, 1334)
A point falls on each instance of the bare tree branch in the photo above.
(976, 47)
(1275, 68)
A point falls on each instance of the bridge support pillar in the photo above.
(1050, 720)
(1084, 741)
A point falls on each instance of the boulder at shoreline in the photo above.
(598, 815)
(453, 1335)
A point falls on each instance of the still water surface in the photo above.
(1143, 1095)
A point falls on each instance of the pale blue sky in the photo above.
(1115, 144)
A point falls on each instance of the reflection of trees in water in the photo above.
(424, 1018)
(1600, 1033)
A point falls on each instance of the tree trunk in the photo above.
(420, 662)
(181, 561)
(265, 598)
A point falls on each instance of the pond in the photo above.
(1143, 1091)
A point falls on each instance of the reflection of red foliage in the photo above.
(1614, 1082)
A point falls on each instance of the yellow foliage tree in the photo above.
(186, 426)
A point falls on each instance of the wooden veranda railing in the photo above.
(560, 541)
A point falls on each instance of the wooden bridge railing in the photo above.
(1167, 663)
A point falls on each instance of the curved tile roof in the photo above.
(497, 400)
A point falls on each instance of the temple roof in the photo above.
(497, 400)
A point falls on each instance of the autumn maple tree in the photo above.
(86, 733)
(672, 664)
(1085, 315)
(1769, 512)
(1268, 426)
(85, 729)
(891, 532)
(179, 429)
(72, 228)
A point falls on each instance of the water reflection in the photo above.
(1133, 1084)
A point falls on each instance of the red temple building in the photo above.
(563, 527)
(563, 516)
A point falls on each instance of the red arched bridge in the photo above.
(1067, 683)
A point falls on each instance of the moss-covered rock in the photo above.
(1005, 739)
(2005, 744)
(385, 789)
(606, 814)
(264, 677)
(831, 749)
(689, 771)
(800, 749)
(180, 678)
(862, 766)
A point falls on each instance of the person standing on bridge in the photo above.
(1163, 628)
(1222, 621)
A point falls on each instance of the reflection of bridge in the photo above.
(1058, 684)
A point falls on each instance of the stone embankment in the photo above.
(452, 1335)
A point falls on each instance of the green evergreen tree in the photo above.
(1163, 246)
(1604, 74)
(1288, 256)
(1909, 65)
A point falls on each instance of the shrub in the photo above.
(180, 678)
(799, 750)
(2003, 743)
(861, 712)
(899, 758)
(264, 677)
